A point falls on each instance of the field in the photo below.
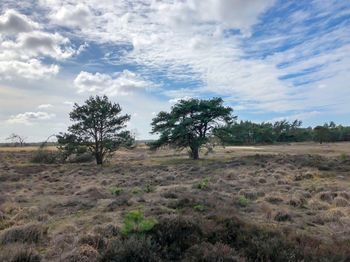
(265, 203)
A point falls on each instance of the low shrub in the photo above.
(149, 188)
(42, 156)
(207, 252)
(243, 202)
(203, 184)
(19, 253)
(174, 235)
(136, 190)
(82, 253)
(116, 191)
(135, 222)
(199, 208)
(30, 233)
(132, 249)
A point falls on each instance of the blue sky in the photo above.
(268, 59)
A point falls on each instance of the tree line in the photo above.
(99, 129)
(249, 133)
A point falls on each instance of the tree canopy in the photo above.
(99, 127)
(190, 123)
(249, 133)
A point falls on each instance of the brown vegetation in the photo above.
(255, 204)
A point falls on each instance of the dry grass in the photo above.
(70, 212)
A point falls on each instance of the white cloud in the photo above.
(117, 84)
(12, 22)
(72, 15)
(68, 103)
(175, 100)
(44, 106)
(24, 46)
(300, 116)
(29, 118)
(31, 69)
(39, 43)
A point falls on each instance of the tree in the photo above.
(99, 127)
(190, 124)
(16, 139)
(321, 133)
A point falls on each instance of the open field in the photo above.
(266, 203)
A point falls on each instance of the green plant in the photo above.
(204, 184)
(149, 188)
(136, 190)
(116, 191)
(344, 157)
(135, 222)
(199, 208)
(45, 157)
(243, 202)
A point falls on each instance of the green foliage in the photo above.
(149, 188)
(135, 222)
(190, 124)
(199, 208)
(344, 157)
(249, 133)
(243, 202)
(45, 157)
(203, 184)
(136, 190)
(116, 191)
(98, 128)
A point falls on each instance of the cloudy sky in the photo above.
(268, 59)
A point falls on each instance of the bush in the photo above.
(174, 235)
(19, 253)
(206, 252)
(136, 190)
(45, 157)
(243, 202)
(116, 191)
(85, 157)
(31, 233)
(82, 253)
(135, 222)
(132, 249)
(204, 184)
(199, 208)
(149, 188)
(258, 244)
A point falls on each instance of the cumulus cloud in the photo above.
(72, 15)
(30, 69)
(237, 14)
(117, 84)
(24, 46)
(29, 118)
(39, 43)
(12, 22)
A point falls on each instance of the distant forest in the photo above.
(249, 133)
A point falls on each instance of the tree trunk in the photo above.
(195, 153)
(99, 159)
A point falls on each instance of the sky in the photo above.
(268, 59)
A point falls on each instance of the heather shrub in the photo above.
(132, 249)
